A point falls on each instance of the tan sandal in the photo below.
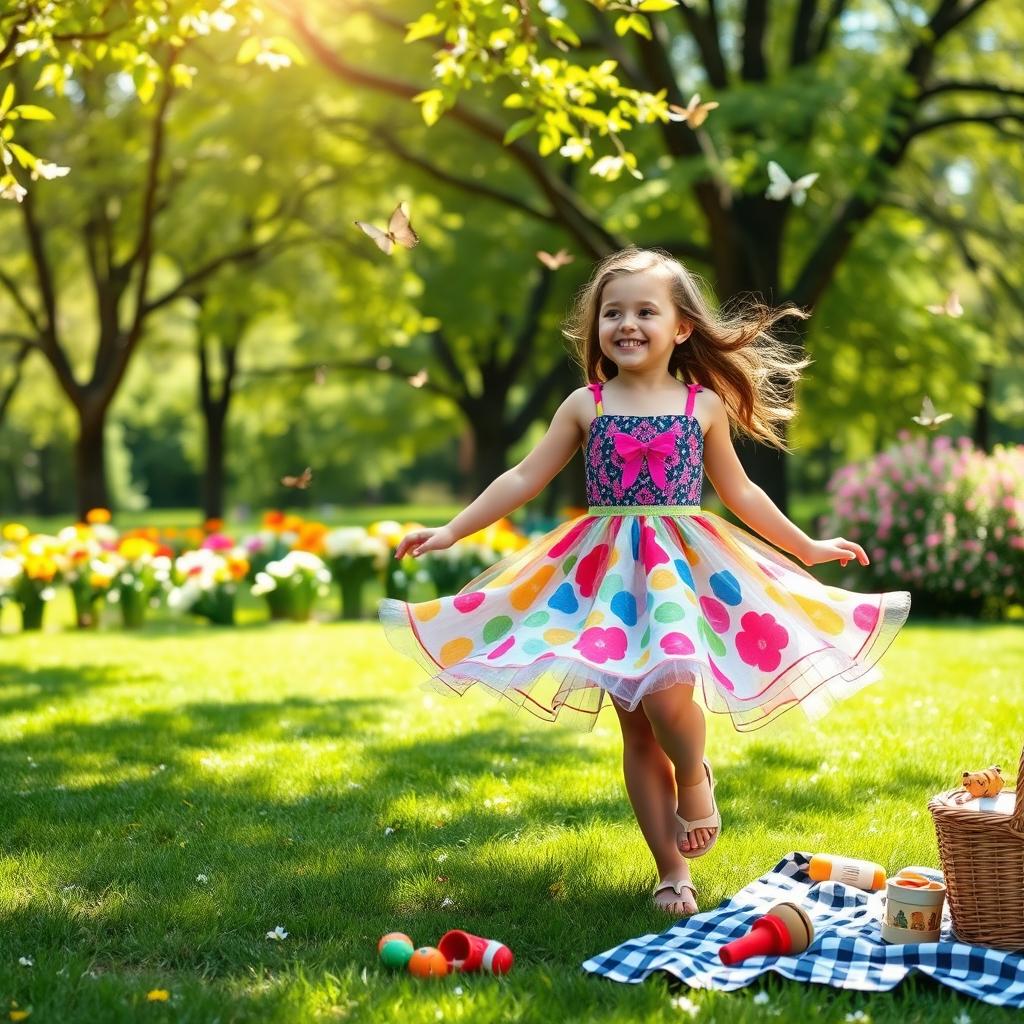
(677, 887)
(713, 820)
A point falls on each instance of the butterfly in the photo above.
(782, 185)
(559, 259)
(417, 380)
(694, 113)
(302, 481)
(929, 418)
(399, 230)
(951, 307)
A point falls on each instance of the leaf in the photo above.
(30, 112)
(657, 5)
(427, 25)
(519, 129)
(249, 49)
(432, 105)
(24, 157)
(8, 99)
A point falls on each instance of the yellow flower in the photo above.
(98, 515)
(20, 1014)
(158, 995)
(40, 567)
(132, 548)
(15, 532)
(237, 566)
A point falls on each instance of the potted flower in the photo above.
(144, 567)
(35, 586)
(355, 558)
(291, 584)
(206, 581)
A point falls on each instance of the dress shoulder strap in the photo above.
(595, 390)
(693, 389)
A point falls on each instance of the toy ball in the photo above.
(395, 937)
(428, 962)
(396, 953)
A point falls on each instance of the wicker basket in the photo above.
(982, 856)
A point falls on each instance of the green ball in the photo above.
(395, 954)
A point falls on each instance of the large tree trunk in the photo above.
(213, 472)
(91, 461)
(982, 433)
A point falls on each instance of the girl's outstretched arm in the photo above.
(515, 486)
(749, 502)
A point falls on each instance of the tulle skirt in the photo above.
(633, 602)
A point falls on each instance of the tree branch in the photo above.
(950, 85)
(11, 287)
(993, 118)
(704, 29)
(821, 262)
(835, 12)
(8, 393)
(582, 224)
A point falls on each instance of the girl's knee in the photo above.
(668, 704)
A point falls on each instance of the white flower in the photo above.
(264, 584)
(457, 990)
(858, 1017)
(441, 858)
(44, 169)
(12, 190)
(26, 961)
(274, 61)
(278, 934)
(686, 1005)
(447, 902)
(389, 831)
(963, 1018)
(761, 998)
(202, 879)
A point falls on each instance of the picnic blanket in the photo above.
(847, 951)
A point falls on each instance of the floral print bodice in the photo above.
(644, 460)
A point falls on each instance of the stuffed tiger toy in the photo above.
(986, 783)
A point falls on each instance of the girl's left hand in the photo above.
(830, 550)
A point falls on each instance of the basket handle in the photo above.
(1017, 821)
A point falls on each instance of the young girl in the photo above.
(647, 597)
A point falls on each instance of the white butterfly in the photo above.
(399, 230)
(783, 187)
(951, 307)
(929, 417)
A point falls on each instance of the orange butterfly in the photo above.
(694, 113)
(399, 230)
(553, 262)
(951, 307)
(302, 481)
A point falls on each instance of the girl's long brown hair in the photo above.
(732, 351)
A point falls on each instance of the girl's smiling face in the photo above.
(638, 325)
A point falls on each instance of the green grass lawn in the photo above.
(275, 760)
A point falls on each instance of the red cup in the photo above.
(467, 953)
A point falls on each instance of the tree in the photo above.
(896, 80)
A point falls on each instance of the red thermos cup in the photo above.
(786, 928)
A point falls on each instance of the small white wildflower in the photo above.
(761, 998)
(44, 169)
(858, 1017)
(685, 1005)
(355, 785)
(441, 858)
(26, 961)
(457, 990)
(10, 189)
(389, 831)
(202, 879)
(278, 934)
(964, 1018)
(447, 902)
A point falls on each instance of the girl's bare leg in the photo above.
(678, 724)
(651, 787)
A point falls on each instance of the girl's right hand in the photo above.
(419, 542)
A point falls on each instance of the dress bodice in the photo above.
(645, 460)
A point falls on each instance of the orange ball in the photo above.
(395, 937)
(427, 962)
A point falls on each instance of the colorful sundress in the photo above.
(645, 591)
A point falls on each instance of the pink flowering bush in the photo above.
(938, 518)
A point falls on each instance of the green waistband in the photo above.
(644, 510)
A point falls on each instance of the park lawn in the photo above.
(275, 760)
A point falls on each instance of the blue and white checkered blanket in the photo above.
(847, 951)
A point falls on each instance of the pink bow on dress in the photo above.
(655, 451)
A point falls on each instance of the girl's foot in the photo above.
(676, 895)
(697, 815)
